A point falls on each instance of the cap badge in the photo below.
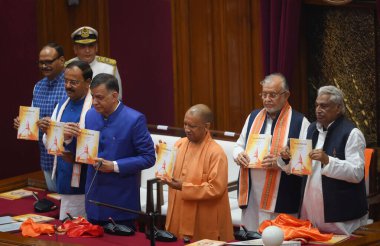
(85, 33)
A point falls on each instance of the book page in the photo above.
(257, 148)
(335, 239)
(165, 161)
(207, 242)
(6, 220)
(28, 129)
(87, 146)
(35, 217)
(54, 138)
(300, 163)
(15, 226)
(16, 194)
(55, 196)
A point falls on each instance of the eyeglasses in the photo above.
(271, 95)
(72, 82)
(47, 62)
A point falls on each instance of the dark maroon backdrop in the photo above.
(140, 41)
(19, 73)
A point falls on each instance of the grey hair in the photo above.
(336, 95)
(269, 78)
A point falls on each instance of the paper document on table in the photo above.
(15, 226)
(6, 220)
(16, 194)
(35, 217)
(207, 242)
(260, 242)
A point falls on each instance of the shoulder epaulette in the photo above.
(106, 60)
(67, 62)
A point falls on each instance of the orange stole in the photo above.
(280, 132)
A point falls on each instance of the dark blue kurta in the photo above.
(71, 113)
(124, 138)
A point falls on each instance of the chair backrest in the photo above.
(233, 169)
(147, 174)
(368, 155)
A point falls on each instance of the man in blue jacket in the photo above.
(125, 148)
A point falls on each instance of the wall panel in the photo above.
(217, 59)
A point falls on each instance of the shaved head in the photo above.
(202, 111)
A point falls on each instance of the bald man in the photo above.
(198, 197)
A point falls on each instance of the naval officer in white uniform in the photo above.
(85, 41)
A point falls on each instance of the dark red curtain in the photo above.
(280, 21)
(19, 73)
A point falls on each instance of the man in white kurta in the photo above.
(278, 120)
(85, 40)
(334, 197)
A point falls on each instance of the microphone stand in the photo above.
(150, 215)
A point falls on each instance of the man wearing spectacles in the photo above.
(70, 176)
(46, 95)
(265, 192)
(85, 43)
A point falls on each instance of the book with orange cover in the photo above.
(55, 196)
(28, 129)
(257, 148)
(165, 161)
(16, 194)
(54, 138)
(334, 240)
(87, 146)
(207, 242)
(35, 217)
(299, 151)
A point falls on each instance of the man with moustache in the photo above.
(265, 192)
(198, 205)
(334, 195)
(46, 95)
(85, 44)
(71, 176)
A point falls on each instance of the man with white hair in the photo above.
(265, 192)
(334, 195)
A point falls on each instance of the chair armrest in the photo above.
(150, 197)
(232, 186)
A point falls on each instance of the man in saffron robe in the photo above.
(265, 192)
(71, 177)
(198, 197)
(334, 195)
(125, 148)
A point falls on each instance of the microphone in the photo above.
(100, 163)
(35, 196)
